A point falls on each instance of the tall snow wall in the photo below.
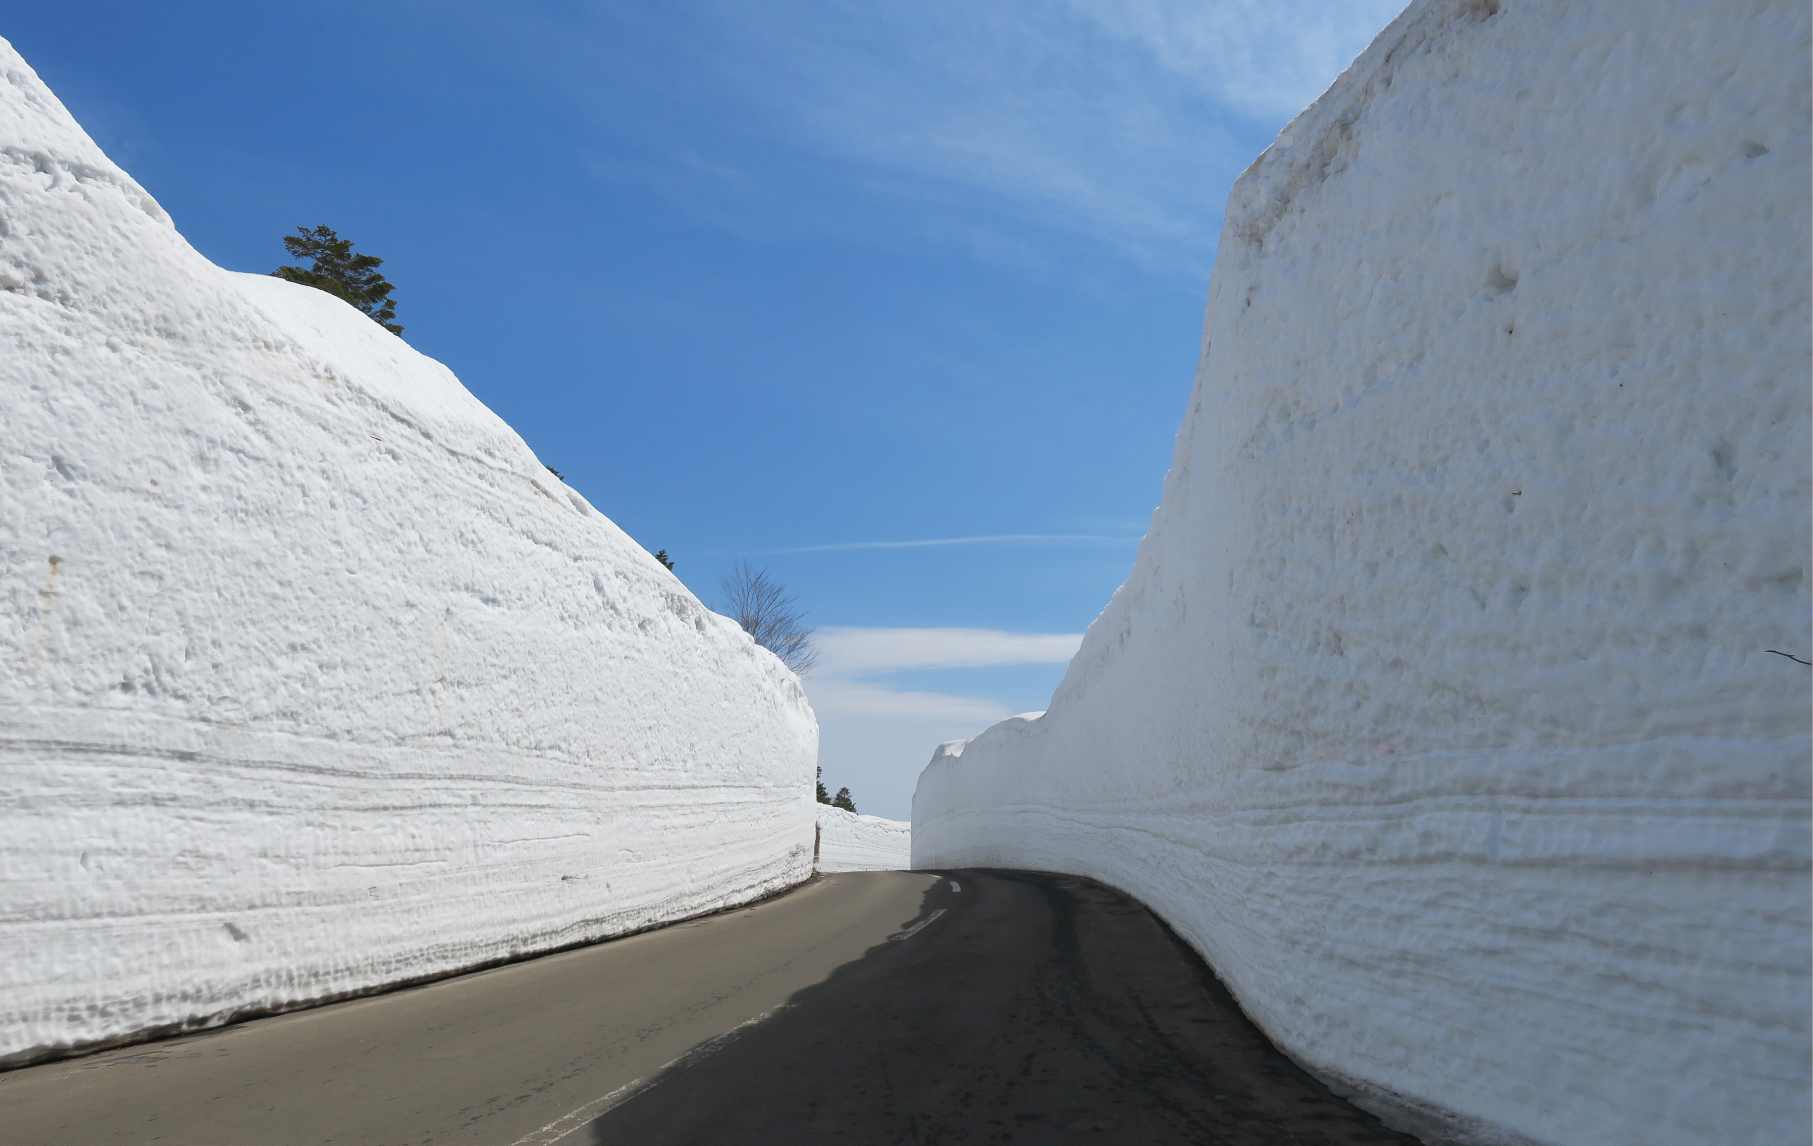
(1439, 711)
(851, 842)
(314, 678)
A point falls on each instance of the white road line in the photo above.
(915, 928)
(955, 886)
(577, 1120)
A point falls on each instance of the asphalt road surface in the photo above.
(871, 1007)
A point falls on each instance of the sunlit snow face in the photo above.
(1448, 687)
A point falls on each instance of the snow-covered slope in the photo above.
(849, 842)
(1439, 711)
(312, 677)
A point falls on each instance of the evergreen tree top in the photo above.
(339, 272)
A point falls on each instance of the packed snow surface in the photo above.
(849, 842)
(314, 678)
(1440, 711)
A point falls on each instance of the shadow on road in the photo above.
(1036, 1008)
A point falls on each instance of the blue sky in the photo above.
(816, 284)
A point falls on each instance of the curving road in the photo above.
(866, 1007)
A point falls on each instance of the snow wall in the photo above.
(314, 678)
(849, 842)
(1439, 711)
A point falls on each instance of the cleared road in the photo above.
(871, 1007)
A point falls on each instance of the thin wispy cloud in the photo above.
(1263, 58)
(851, 651)
(843, 698)
(1028, 109)
(1006, 538)
(1119, 120)
(848, 655)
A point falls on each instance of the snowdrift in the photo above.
(314, 679)
(1440, 711)
(850, 842)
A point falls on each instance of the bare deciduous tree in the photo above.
(766, 612)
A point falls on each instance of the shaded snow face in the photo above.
(849, 842)
(312, 677)
(1439, 709)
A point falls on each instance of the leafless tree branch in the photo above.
(766, 611)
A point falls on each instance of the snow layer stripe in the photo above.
(313, 679)
(1439, 710)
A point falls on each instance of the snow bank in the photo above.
(314, 678)
(1439, 710)
(849, 842)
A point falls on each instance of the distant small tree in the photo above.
(341, 273)
(766, 612)
(557, 473)
(843, 800)
(664, 559)
(824, 797)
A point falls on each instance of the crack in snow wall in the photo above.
(1438, 711)
(851, 842)
(315, 679)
